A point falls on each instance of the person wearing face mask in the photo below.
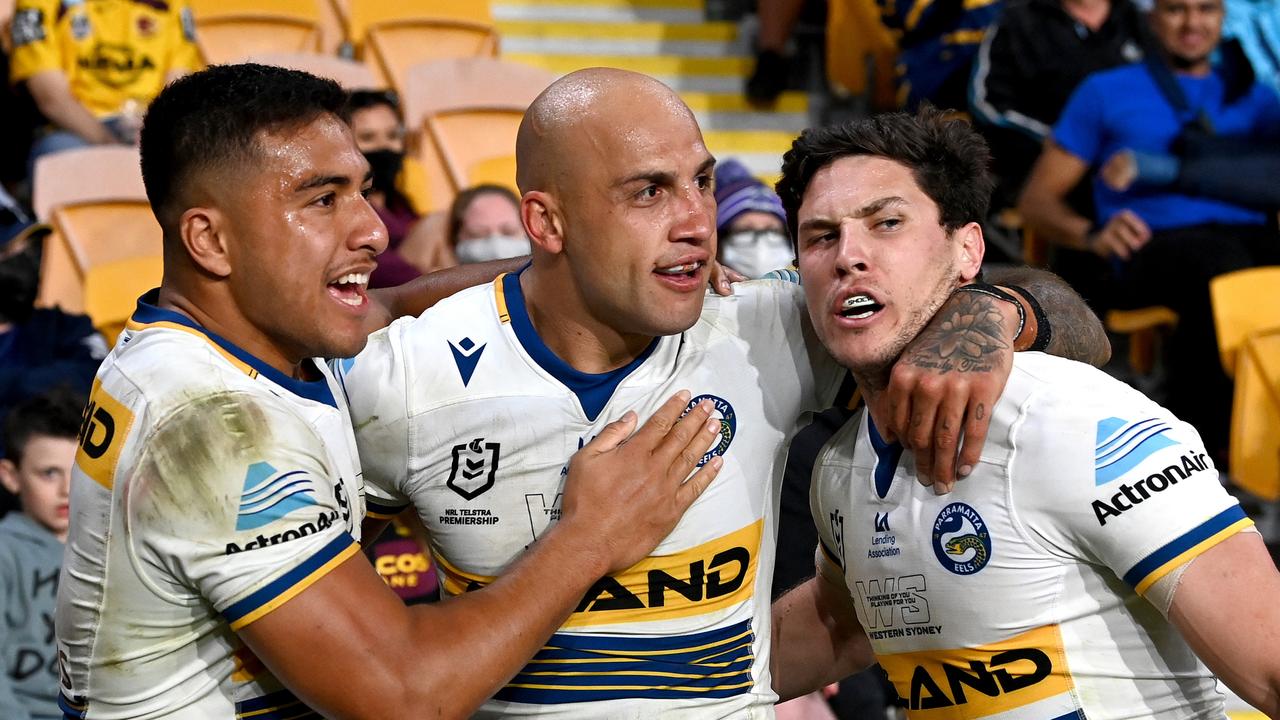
(484, 224)
(379, 132)
(40, 348)
(750, 223)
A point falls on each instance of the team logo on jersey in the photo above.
(270, 495)
(474, 466)
(28, 26)
(961, 539)
(1122, 445)
(728, 424)
(466, 355)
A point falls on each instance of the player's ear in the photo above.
(202, 231)
(542, 221)
(9, 476)
(970, 248)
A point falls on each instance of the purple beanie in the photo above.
(738, 191)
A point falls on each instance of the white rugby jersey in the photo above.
(467, 415)
(209, 489)
(1017, 596)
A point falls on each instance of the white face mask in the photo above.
(494, 247)
(756, 252)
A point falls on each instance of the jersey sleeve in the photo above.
(35, 41)
(1079, 129)
(1125, 485)
(375, 382)
(235, 501)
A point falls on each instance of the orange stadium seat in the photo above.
(1255, 416)
(393, 36)
(111, 291)
(499, 170)
(1244, 302)
(349, 74)
(232, 30)
(466, 110)
(96, 203)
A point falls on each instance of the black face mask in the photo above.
(385, 165)
(19, 278)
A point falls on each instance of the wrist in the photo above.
(1017, 323)
(1037, 329)
(577, 541)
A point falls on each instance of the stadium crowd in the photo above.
(1134, 147)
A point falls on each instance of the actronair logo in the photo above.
(270, 495)
(1139, 492)
(1121, 445)
(323, 521)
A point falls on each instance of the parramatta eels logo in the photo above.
(728, 424)
(961, 539)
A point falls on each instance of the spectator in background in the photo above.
(379, 131)
(751, 225)
(772, 71)
(484, 224)
(92, 67)
(1029, 63)
(39, 348)
(40, 446)
(1164, 246)
(937, 43)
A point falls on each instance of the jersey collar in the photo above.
(149, 315)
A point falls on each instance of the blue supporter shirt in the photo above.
(1123, 108)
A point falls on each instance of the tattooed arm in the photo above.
(943, 387)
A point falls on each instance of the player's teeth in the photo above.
(679, 269)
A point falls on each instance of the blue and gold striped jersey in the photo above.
(208, 489)
(466, 414)
(1020, 594)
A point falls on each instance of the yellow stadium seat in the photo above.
(1244, 302)
(92, 174)
(465, 110)
(111, 291)
(499, 170)
(87, 236)
(360, 15)
(232, 38)
(1255, 416)
(350, 74)
(393, 36)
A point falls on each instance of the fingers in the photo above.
(901, 384)
(720, 279)
(694, 487)
(613, 434)
(663, 419)
(923, 414)
(977, 422)
(946, 439)
(685, 445)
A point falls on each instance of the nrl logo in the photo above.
(474, 466)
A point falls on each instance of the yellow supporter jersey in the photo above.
(112, 51)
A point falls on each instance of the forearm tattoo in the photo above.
(966, 335)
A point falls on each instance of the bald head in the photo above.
(581, 111)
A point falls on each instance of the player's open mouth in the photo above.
(860, 307)
(350, 289)
(688, 270)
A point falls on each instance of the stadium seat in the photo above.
(350, 74)
(93, 174)
(1255, 416)
(499, 170)
(111, 291)
(465, 110)
(393, 36)
(1244, 302)
(232, 30)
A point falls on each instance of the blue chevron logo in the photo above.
(270, 495)
(466, 355)
(1121, 445)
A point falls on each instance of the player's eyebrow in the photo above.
(663, 177)
(316, 181)
(871, 208)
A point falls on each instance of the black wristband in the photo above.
(1044, 331)
(999, 294)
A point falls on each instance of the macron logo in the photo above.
(269, 496)
(1123, 444)
(466, 355)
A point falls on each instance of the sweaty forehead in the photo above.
(850, 183)
(291, 155)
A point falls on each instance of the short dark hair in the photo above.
(211, 118)
(54, 413)
(948, 159)
(468, 196)
(364, 99)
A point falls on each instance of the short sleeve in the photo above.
(1079, 129)
(1134, 491)
(235, 501)
(376, 387)
(34, 37)
(186, 57)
